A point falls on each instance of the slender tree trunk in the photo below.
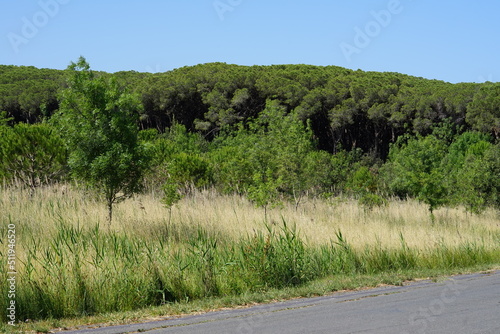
(110, 211)
(298, 199)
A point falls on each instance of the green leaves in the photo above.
(29, 94)
(484, 111)
(475, 172)
(270, 157)
(414, 169)
(462, 173)
(351, 109)
(32, 154)
(99, 121)
(188, 170)
(256, 131)
(171, 194)
(264, 189)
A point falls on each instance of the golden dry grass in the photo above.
(144, 248)
(234, 216)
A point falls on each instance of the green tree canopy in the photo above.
(100, 122)
(484, 111)
(414, 169)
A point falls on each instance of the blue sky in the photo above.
(451, 40)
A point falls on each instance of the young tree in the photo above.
(264, 190)
(100, 122)
(414, 169)
(171, 196)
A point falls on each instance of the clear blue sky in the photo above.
(451, 40)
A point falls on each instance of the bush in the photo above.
(33, 154)
(369, 201)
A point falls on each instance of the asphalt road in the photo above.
(460, 304)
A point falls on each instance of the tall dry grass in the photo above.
(72, 262)
(319, 220)
(234, 216)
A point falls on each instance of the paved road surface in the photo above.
(461, 304)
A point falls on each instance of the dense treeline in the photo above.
(28, 94)
(272, 133)
(347, 109)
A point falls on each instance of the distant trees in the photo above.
(100, 122)
(484, 111)
(346, 109)
(271, 133)
(29, 94)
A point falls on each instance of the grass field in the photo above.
(71, 263)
